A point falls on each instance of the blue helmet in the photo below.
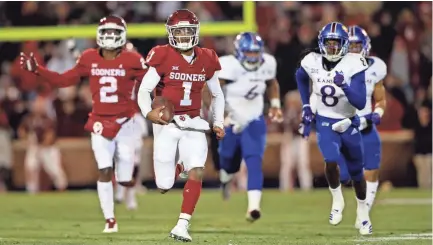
(336, 32)
(359, 35)
(246, 44)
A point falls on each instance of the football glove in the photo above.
(28, 63)
(373, 118)
(339, 79)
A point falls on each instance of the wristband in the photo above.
(275, 103)
(379, 111)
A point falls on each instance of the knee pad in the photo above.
(164, 184)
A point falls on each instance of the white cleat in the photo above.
(110, 226)
(132, 205)
(336, 215)
(365, 228)
(180, 233)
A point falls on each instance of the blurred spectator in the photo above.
(294, 149)
(38, 129)
(5, 152)
(423, 145)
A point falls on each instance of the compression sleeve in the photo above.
(302, 79)
(218, 100)
(148, 84)
(356, 93)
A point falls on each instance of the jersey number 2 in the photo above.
(328, 93)
(186, 101)
(109, 87)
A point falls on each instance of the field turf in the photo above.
(402, 216)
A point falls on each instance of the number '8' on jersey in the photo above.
(330, 100)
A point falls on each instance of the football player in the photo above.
(178, 72)
(359, 42)
(338, 89)
(246, 76)
(112, 72)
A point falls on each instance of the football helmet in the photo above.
(183, 29)
(111, 32)
(359, 41)
(249, 48)
(333, 41)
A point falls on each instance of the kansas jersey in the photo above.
(375, 73)
(331, 102)
(244, 89)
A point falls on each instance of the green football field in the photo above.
(402, 216)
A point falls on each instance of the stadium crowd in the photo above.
(288, 28)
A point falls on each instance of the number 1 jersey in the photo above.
(327, 99)
(244, 89)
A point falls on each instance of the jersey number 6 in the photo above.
(328, 93)
(251, 93)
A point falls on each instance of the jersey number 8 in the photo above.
(328, 93)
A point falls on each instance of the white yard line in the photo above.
(421, 236)
(405, 201)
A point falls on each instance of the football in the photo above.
(167, 113)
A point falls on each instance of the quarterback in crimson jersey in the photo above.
(178, 72)
(112, 72)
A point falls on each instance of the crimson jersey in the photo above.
(111, 81)
(182, 82)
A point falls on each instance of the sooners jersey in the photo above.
(182, 81)
(111, 81)
(329, 99)
(244, 89)
(375, 73)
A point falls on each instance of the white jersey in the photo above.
(329, 99)
(244, 93)
(375, 73)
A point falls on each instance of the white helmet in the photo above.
(111, 32)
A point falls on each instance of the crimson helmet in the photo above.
(111, 32)
(183, 29)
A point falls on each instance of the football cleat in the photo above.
(110, 226)
(180, 233)
(225, 180)
(180, 171)
(366, 228)
(336, 216)
(253, 215)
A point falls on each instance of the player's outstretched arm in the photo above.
(356, 93)
(218, 101)
(303, 81)
(379, 96)
(66, 79)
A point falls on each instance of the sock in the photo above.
(120, 192)
(254, 199)
(105, 194)
(337, 197)
(130, 194)
(191, 194)
(362, 210)
(371, 193)
(184, 219)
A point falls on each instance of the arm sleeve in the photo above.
(302, 79)
(218, 99)
(148, 84)
(356, 92)
(69, 78)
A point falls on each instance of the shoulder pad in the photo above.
(87, 55)
(156, 55)
(309, 60)
(379, 67)
(354, 63)
(213, 58)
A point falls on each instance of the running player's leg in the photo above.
(354, 155)
(229, 164)
(329, 143)
(51, 161)
(194, 159)
(253, 142)
(103, 150)
(372, 156)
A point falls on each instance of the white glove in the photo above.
(364, 124)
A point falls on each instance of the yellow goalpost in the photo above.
(151, 30)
